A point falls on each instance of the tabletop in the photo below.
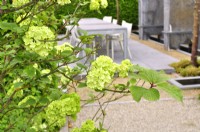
(98, 26)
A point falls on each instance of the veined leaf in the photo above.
(137, 92)
(152, 76)
(172, 90)
(151, 94)
(30, 71)
(10, 26)
(82, 85)
(132, 81)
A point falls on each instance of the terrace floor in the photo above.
(143, 54)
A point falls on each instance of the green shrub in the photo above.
(185, 68)
(190, 71)
(180, 64)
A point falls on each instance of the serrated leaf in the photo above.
(137, 92)
(151, 94)
(172, 90)
(152, 76)
(82, 85)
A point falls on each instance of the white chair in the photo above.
(107, 19)
(77, 42)
(114, 21)
(110, 39)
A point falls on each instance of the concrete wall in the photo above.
(150, 18)
(178, 22)
(171, 18)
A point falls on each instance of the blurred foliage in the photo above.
(128, 10)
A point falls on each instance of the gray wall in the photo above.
(179, 15)
(171, 18)
(150, 18)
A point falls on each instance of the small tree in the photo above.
(195, 33)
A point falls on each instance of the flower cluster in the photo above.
(87, 126)
(57, 111)
(63, 2)
(96, 4)
(124, 68)
(26, 21)
(17, 3)
(39, 40)
(65, 46)
(101, 73)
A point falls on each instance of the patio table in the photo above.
(98, 26)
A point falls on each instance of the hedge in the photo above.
(128, 10)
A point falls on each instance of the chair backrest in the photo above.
(75, 35)
(128, 26)
(107, 19)
(114, 21)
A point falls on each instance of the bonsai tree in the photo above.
(38, 86)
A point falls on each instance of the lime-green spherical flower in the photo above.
(39, 40)
(17, 3)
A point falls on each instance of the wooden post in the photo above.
(195, 33)
(117, 10)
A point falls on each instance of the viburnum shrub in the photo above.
(39, 79)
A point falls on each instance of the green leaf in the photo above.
(55, 94)
(152, 76)
(82, 85)
(137, 92)
(172, 90)
(66, 53)
(88, 50)
(30, 101)
(18, 84)
(10, 26)
(151, 94)
(81, 66)
(44, 100)
(120, 86)
(30, 71)
(132, 81)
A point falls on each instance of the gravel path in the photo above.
(165, 115)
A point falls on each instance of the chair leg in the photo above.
(129, 52)
(112, 48)
(93, 47)
(121, 45)
(107, 47)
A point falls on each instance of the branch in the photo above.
(2, 11)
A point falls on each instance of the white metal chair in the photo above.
(114, 21)
(107, 19)
(119, 38)
(77, 42)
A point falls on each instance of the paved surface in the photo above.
(142, 55)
